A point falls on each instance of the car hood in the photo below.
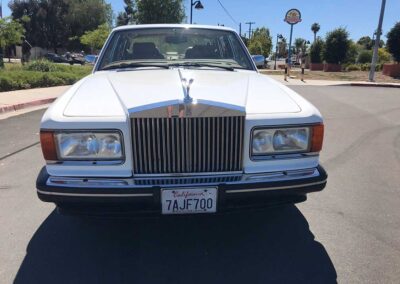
(115, 93)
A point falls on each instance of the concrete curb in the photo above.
(381, 85)
(10, 108)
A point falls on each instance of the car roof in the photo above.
(187, 26)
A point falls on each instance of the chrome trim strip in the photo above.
(274, 188)
(195, 180)
(96, 194)
(178, 175)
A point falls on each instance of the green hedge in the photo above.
(40, 74)
(363, 67)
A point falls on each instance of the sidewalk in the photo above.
(17, 100)
(297, 82)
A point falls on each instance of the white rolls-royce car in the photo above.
(176, 119)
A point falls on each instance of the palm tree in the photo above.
(315, 28)
(299, 44)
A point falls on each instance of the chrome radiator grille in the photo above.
(187, 145)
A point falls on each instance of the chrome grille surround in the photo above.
(180, 145)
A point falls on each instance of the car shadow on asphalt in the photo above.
(273, 245)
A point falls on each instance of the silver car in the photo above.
(260, 61)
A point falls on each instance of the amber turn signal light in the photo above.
(317, 138)
(48, 145)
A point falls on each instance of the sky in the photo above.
(359, 17)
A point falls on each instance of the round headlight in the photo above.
(262, 142)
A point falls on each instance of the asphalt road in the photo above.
(348, 233)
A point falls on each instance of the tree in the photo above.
(299, 44)
(261, 42)
(59, 23)
(393, 42)
(336, 46)
(365, 42)
(46, 26)
(95, 39)
(353, 52)
(282, 48)
(316, 51)
(383, 55)
(83, 16)
(11, 33)
(159, 11)
(128, 15)
(315, 29)
(365, 56)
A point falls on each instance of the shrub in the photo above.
(393, 42)
(353, 67)
(6, 84)
(365, 56)
(41, 66)
(367, 67)
(316, 51)
(383, 55)
(34, 75)
(352, 52)
(336, 46)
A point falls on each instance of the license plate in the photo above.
(189, 200)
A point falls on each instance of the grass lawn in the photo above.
(336, 76)
(39, 74)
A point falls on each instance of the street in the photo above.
(348, 233)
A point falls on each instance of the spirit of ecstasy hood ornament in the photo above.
(186, 85)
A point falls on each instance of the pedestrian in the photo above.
(26, 51)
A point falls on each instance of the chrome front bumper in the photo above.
(288, 184)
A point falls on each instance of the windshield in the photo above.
(192, 47)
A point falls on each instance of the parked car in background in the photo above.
(70, 58)
(75, 58)
(53, 57)
(176, 119)
(260, 61)
(90, 58)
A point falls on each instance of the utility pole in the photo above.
(377, 40)
(240, 29)
(250, 23)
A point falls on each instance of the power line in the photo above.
(250, 24)
(227, 12)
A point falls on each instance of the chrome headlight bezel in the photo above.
(104, 132)
(278, 153)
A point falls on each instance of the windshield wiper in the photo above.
(133, 65)
(199, 64)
